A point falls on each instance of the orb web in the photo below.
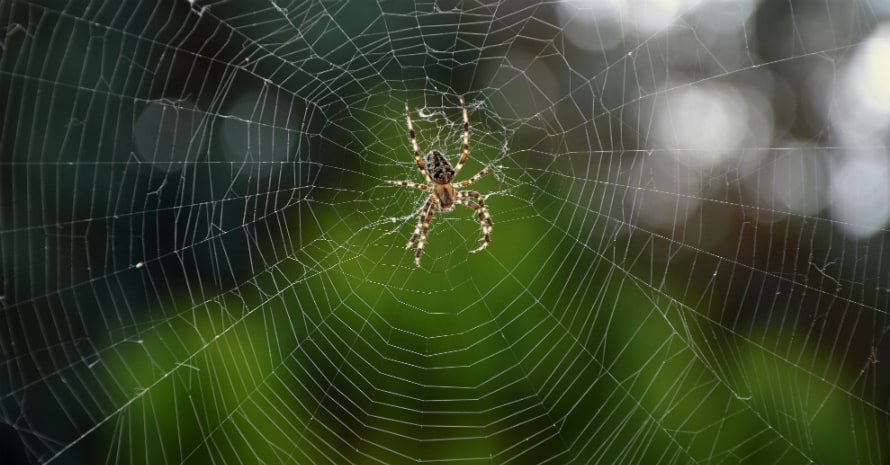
(201, 261)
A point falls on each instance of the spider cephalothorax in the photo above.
(440, 175)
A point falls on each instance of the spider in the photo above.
(439, 176)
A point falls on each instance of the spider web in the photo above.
(201, 261)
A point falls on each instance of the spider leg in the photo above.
(474, 178)
(415, 185)
(484, 216)
(463, 157)
(413, 138)
(422, 228)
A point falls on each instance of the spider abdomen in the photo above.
(438, 168)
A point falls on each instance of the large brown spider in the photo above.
(439, 174)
